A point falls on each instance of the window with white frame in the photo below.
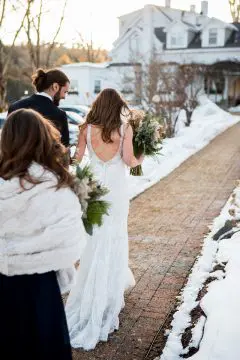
(97, 86)
(212, 40)
(177, 40)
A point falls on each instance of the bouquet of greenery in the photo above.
(90, 194)
(147, 136)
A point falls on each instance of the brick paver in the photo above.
(166, 227)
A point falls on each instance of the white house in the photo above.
(86, 81)
(171, 35)
(175, 35)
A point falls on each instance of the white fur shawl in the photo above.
(40, 228)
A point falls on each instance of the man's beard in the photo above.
(56, 98)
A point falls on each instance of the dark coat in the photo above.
(45, 107)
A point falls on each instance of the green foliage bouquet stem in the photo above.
(90, 193)
(147, 136)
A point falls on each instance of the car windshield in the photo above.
(74, 118)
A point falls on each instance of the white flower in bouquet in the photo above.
(82, 190)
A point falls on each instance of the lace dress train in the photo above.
(95, 301)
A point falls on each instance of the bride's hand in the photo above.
(141, 158)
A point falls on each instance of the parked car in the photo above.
(73, 134)
(3, 117)
(81, 110)
(74, 120)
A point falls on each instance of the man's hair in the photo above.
(42, 79)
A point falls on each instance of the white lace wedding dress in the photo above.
(97, 298)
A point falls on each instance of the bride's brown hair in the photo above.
(106, 113)
(28, 137)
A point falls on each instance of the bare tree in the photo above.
(159, 92)
(191, 83)
(235, 10)
(168, 88)
(3, 9)
(6, 9)
(33, 28)
(90, 52)
(171, 96)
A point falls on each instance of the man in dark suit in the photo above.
(51, 87)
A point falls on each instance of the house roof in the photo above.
(122, 38)
(234, 40)
(172, 13)
(161, 34)
(114, 64)
(187, 19)
(86, 64)
(219, 22)
(196, 43)
(183, 23)
(188, 24)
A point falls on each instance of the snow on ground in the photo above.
(208, 121)
(235, 109)
(218, 333)
(221, 340)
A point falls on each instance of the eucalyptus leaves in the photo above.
(147, 136)
(90, 194)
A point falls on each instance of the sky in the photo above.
(98, 19)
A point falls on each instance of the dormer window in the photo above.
(176, 40)
(212, 40)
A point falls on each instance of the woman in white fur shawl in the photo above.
(41, 237)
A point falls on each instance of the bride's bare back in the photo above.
(107, 151)
(104, 151)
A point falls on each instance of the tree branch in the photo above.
(56, 34)
(2, 12)
(235, 9)
(30, 22)
(7, 60)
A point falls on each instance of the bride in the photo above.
(97, 298)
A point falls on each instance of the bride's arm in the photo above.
(128, 154)
(81, 145)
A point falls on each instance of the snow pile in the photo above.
(235, 109)
(208, 121)
(218, 332)
(221, 338)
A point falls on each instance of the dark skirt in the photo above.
(32, 318)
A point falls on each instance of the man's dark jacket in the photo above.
(45, 107)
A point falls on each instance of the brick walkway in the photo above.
(166, 227)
